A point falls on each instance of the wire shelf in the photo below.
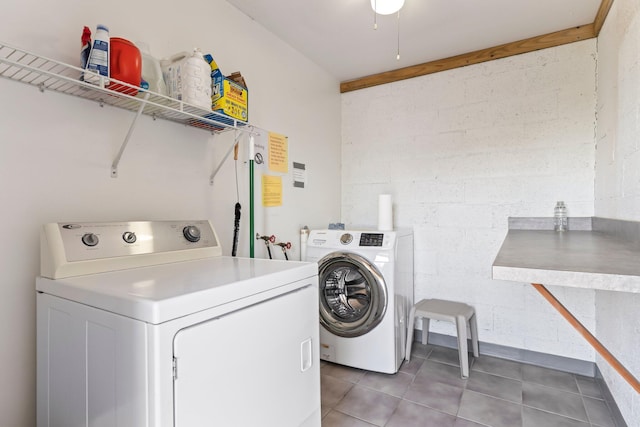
(47, 74)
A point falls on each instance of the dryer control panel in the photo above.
(74, 248)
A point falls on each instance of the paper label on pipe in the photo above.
(258, 149)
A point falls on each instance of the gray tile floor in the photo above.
(428, 391)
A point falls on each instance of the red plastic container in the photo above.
(125, 65)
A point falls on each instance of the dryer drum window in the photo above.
(353, 295)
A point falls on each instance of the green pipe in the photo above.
(252, 233)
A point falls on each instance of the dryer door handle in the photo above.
(306, 355)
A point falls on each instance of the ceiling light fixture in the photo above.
(387, 7)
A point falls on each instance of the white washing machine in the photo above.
(366, 291)
(145, 324)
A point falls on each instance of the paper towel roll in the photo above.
(304, 236)
(385, 212)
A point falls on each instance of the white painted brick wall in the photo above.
(617, 186)
(462, 150)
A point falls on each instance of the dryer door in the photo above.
(353, 295)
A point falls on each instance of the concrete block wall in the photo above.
(617, 186)
(461, 151)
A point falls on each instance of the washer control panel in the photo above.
(351, 239)
(371, 239)
(103, 246)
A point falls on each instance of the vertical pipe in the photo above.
(251, 224)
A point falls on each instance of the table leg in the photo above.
(597, 345)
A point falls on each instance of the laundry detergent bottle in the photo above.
(188, 78)
(98, 64)
(151, 70)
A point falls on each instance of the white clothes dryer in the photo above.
(365, 291)
(146, 324)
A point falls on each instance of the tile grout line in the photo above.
(558, 415)
(464, 388)
(584, 403)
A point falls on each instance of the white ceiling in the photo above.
(338, 35)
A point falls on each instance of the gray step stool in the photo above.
(459, 313)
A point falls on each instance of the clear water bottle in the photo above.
(560, 217)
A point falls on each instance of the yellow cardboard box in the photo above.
(229, 95)
(230, 98)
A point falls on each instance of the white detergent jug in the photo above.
(188, 78)
(151, 70)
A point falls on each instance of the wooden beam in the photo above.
(597, 345)
(603, 11)
(558, 38)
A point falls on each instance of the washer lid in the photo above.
(164, 292)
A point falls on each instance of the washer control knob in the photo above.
(191, 233)
(346, 238)
(129, 237)
(90, 239)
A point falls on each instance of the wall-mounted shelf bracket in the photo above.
(236, 139)
(597, 345)
(114, 165)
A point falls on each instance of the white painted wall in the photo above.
(462, 150)
(617, 186)
(56, 151)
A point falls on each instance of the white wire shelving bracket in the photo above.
(48, 74)
(236, 139)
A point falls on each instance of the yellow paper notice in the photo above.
(278, 152)
(271, 191)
